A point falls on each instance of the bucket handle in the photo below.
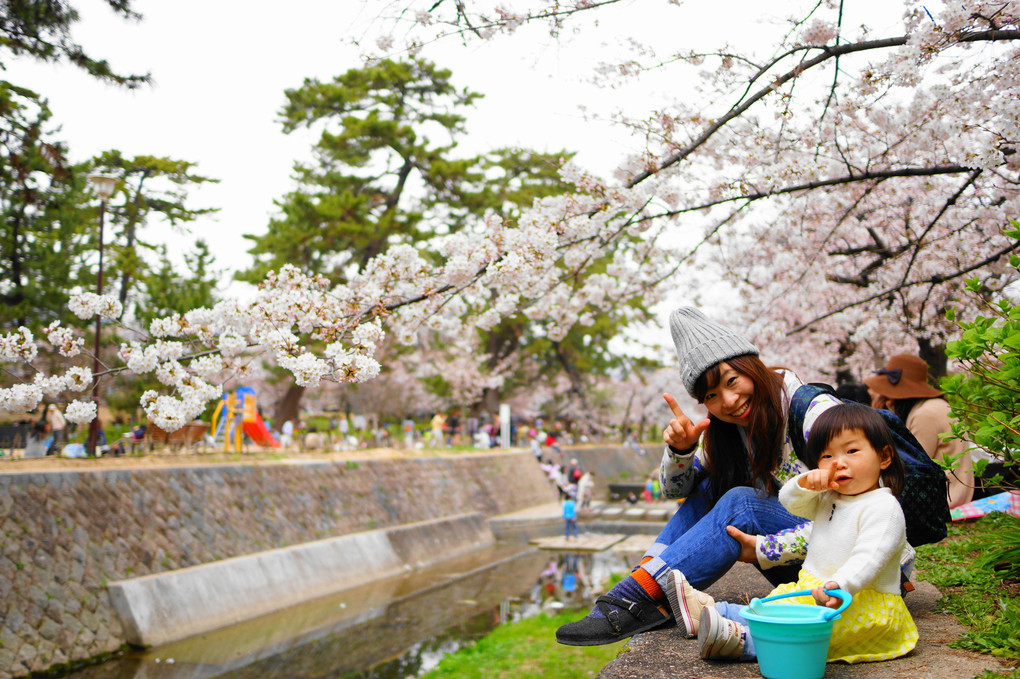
(828, 615)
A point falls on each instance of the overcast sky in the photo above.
(220, 72)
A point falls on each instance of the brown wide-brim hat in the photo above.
(904, 376)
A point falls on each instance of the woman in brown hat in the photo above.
(902, 387)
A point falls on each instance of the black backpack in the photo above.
(925, 496)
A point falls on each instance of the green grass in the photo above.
(982, 598)
(526, 648)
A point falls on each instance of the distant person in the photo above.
(854, 391)
(57, 426)
(453, 429)
(437, 424)
(631, 442)
(585, 489)
(408, 426)
(560, 477)
(313, 439)
(287, 434)
(574, 472)
(35, 441)
(345, 439)
(551, 442)
(569, 517)
(536, 447)
(902, 387)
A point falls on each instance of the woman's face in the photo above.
(730, 399)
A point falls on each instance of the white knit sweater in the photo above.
(856, 540)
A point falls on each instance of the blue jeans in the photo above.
(571, 525)
(695, 540)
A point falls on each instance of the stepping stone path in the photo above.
(589, 542)
(658, 512)
(634, 544)
(607, 513)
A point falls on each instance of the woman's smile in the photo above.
(733, 388)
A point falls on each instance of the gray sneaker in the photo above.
(719, 637)
(686, 603)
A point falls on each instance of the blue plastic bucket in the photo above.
(792, 640)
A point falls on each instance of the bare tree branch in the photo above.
(931, 225)
(828, 52)
(819, 183)
(941, 278)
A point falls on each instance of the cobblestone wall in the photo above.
(66, 534)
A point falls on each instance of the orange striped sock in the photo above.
(648, 584)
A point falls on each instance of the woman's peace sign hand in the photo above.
(682, 433)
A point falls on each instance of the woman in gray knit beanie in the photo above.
(729, 480)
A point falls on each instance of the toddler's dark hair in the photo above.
(845, 416)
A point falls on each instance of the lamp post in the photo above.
(103, 186)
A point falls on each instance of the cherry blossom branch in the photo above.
(819, 183)
(940, 278)
(828, 52)
(949, 202)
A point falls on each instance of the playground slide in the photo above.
(259, 434)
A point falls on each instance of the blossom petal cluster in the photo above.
(89, 304)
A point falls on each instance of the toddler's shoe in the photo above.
(686, 603)
(719, 637)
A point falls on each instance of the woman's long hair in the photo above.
(903, 406)
(725, 454)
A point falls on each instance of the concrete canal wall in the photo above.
(69, 535)
(165, 607)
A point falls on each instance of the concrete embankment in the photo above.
(166, 607)
(69, 534)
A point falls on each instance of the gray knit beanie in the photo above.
(701, 343)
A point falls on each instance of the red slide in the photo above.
(259, 434)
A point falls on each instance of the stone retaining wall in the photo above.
(67, 534)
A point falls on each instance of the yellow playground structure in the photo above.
(238, 415)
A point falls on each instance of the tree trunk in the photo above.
(289, 406)
(626, 418)
(935, 356)
(576, 383)
(845, 349)
(489, 402)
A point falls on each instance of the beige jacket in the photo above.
(926, 421)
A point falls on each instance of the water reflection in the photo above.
(391, 629)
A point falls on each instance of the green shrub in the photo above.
(985, 397)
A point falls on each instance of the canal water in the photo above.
(391, 629)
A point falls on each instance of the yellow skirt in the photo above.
(876, 625)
